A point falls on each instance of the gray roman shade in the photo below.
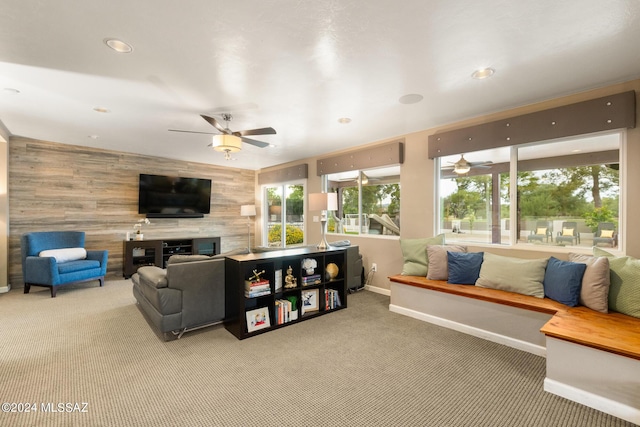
(607, 113)
(390, 153)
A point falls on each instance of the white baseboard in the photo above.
(476, 332)
(594, 401)
(5, 289)
(378, 290)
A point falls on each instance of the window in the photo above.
(368, 202)
(284, 210)
(567, 193)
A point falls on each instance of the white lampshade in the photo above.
(248, 210)
(228, 143)
(323, 201)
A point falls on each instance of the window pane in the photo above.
(274, 215)
(474, 197)
(568, 192)
(368, 202)
(294, 221)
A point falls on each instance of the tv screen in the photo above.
(170, 196)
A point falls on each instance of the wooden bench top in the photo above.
(613, 332)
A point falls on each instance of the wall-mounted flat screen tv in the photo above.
(163, 196)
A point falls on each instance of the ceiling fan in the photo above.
(228, 141)
(462, 166)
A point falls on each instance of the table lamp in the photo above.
(323, 202)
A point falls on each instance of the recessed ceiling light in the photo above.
(101, 110)
(11, 90)
(272, 145)
(344, 120)
(94, 136)
(412, 98)
(483, 73)
(118, 45)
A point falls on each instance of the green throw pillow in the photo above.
(624, 291)
(414, 253)
(523, 276)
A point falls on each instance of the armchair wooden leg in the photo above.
(53, 291)
(27, 288)
(101, 279)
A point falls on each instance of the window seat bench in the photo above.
(592, 358)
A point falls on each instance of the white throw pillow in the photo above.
(65, 254)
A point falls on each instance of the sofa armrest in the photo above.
(41, 270)
(153, 276)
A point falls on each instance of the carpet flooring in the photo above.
(363, 366)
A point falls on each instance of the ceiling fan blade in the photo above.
(191, 131)
(213, 122)
(261, 131)
(254, 142)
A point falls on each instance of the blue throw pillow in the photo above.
(464, 267)
(563, 280)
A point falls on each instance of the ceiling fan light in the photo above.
(462, 166)
(227, 143)
(461, 169)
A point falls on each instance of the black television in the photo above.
(163, 196)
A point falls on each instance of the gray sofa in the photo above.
(190, 292)
(187, 295)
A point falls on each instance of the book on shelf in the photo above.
(254, 294)
(285, 311)
(332, 299)
(251, 284)
(313, 279)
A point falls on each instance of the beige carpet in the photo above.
(363, 366)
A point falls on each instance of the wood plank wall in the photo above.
(55, 186)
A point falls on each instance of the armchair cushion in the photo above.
(65, 254)
(78, 265)
(606, 233)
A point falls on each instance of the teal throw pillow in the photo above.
(563, 281)
(414, 253)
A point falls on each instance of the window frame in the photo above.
(359, 172)
(283, 223)
(513, 195)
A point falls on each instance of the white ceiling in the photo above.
(296, 66)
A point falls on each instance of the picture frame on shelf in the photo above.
(309, 301)
(258, 319)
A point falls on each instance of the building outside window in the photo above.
(565, 193)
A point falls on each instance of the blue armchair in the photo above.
(56, 258)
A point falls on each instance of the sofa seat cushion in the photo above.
(80, 265)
